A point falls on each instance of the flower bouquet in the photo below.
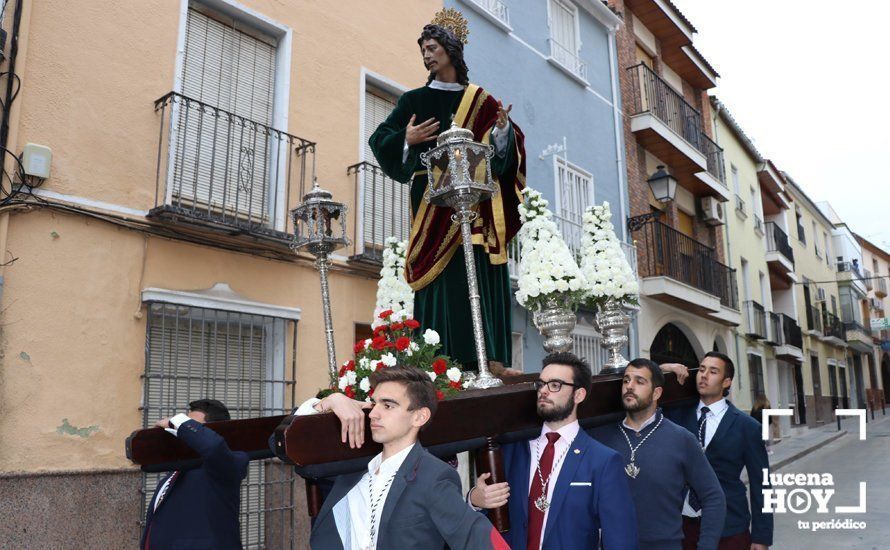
(603, 261)
(393, 291)
(395, 342)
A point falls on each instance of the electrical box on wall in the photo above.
(36, 160)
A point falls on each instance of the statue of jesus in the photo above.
(435, 262)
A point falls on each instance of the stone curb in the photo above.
(804, 452)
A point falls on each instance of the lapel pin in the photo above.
(577, 451)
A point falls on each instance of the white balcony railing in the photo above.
(494, 8)
(568, 59)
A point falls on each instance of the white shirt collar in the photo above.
(391, 465)
(449, 86)
(648, 421)
(716, 409)
(566, 433)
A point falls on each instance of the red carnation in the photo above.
(403, 343)
(455, 385)
(385, 313)
(440, 366)
(396, 326)
(350, 393)
(371, 392)
(350, 365)
(412, 324)
(342, 370)
(380, 330)
(359, 346)
(378, 343)
(439, 395)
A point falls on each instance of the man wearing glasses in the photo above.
(562, 487)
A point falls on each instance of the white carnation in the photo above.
(389, 360)
(453, 374)
(375, 364)
(343, 383)
(350, 377)
(432, 375)
(365, 384)
(431, 337)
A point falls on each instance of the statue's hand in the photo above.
(682, 371)
(425, 131)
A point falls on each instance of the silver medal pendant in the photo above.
(632, 470)
(541, 503)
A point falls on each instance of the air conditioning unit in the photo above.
(712, 211)
(820, 294)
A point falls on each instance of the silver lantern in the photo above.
(459, 176)
(320, 228)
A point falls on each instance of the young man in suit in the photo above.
(563, 488)
(406, 498)
(732, 441)
(198, 508)
(662, 460)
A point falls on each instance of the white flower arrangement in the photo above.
(547, 267)
(393, 291)
(603, 261)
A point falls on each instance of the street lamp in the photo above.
(320, 228)
(459, 176)
(664, 189)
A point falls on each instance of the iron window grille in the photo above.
(248, 362)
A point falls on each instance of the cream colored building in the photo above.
(825, 372)
(152, 266)
(767, 344)
(877, 309)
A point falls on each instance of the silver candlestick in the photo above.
(316, 230)
(449, 168)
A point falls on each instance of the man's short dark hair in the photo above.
(580, 369)
(420, 389)
(728, 366)
(213, 410)
(654, 370)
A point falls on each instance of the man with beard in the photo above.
(434, 266)
(661, 460)
(565, 486)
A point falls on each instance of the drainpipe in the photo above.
(727, 244)
(11, 115)
(633, 344)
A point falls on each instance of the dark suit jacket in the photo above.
(737, 444)
(577, 512)
(201, 508)
(423, 509)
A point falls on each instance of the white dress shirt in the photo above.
(715, 413)
(353, 513)
(560, 449)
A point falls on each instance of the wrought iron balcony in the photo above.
(740, 206)
(492, 9)
(382, 211)
(777, 241)
(881, 289)
(222, 171)
(755, 319)
(665, 252)
(714, 154)
(833, 327)
(652, 94)
(791, 333)
(773, 328)
(814, 319)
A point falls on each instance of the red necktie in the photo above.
(536, 516)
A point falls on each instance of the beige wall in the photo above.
(73, 326)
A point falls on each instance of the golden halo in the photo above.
(454, 21)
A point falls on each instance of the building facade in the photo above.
(877, 260)
(688, 296)
(566, 99)
(152, 266)
(768, 343)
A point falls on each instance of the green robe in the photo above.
(444, 304)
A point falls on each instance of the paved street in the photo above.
(849, 461)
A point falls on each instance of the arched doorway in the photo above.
(671, 345)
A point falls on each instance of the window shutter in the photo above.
(222, 157)
(562, 29)
(386, 202)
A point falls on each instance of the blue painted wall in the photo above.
(548, 104)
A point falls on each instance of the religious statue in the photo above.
(435, 263)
